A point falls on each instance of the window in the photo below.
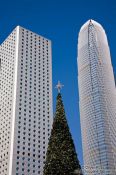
(0, 63)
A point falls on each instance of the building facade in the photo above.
(26, 113)
(97, 100)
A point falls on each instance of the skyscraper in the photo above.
(26, 114)
(97, 98)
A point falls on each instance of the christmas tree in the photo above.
(61, 157)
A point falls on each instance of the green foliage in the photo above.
(61, 158)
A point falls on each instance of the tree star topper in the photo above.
(59, 86)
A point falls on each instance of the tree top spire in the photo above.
(59, 86)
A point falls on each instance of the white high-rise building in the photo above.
(26, 114)
(97, 98)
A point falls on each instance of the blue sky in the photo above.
(60, 21)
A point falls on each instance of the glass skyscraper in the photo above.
(97, 100)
